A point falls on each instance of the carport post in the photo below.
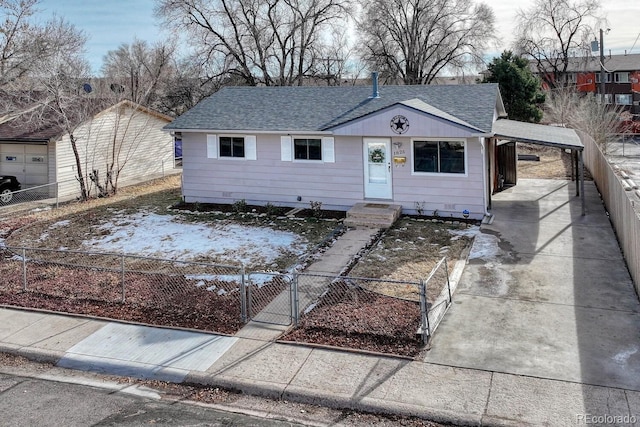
(581, 180)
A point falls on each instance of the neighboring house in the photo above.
(621, 79)
(44, 155)
(430, 149)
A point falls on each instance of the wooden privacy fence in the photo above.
(623, 206)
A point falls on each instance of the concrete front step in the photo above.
(377, 215)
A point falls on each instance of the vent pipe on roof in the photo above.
(374, 82)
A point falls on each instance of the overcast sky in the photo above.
(109, 23)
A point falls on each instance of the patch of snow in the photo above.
(62, 223)
(261, 279)
(164, 236)
(467, 232)
(311, 307)
(485, 246)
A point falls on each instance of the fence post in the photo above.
(424, 312)
(122, 276)
(243, 296)
(24, 269)
(446, 272)
(295, 313)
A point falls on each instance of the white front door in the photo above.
(377, 168)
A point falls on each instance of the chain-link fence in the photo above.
(380, 315)
(270, 298)
(42, 194)
(435, 299)
(371, 314)
(149, 290)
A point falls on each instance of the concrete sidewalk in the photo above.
(480, 375)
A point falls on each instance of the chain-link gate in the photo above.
(271, 298)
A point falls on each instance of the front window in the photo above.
(622, 77)
(623, 99)
(231, 146)
(307, 149)
(607, 78)
(607, 98)
(439, 156)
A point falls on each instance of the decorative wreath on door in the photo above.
(376, 155)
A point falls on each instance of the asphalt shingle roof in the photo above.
(304, 108)
(538, 134)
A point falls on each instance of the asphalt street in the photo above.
(40, 402)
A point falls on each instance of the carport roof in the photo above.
(553, 136)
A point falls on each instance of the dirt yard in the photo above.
(554, 163)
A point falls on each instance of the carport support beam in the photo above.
(581, 181)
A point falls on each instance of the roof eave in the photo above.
(249, 131)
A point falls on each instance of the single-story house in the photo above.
(42, 154)
(431, 149)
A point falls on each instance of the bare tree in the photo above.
(139, 71)
(566, 107)
(259, 42)
(42, 70)
(186, 87)
(552, 30)
(25, 47)
(413, 41)
(60, 103)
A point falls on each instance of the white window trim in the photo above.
(250, 147)
(327, 147)
(441, 174)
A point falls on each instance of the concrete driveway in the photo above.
(546, 293)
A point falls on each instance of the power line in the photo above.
(634, 43)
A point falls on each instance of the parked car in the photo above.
(8, 184)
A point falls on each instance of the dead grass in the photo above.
(35, 230)
(408, 252)
(554, 163)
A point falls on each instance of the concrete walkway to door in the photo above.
(545, 294)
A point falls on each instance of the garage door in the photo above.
(27, 162)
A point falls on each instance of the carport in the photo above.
(552, 136)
